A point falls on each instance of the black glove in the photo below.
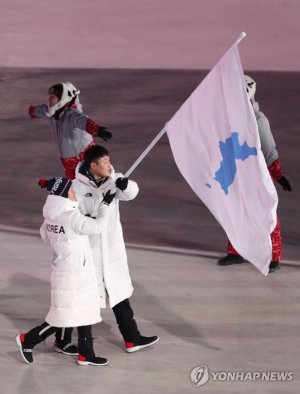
(285, 184)
(122, 183)
(108, 198)
(104, 134)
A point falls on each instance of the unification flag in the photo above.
(216, 146)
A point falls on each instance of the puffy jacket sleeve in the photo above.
(43, 233)
(89, 205)
(268, 145)
(85, 225)
(38, 111)
(81, 121)
(129, 193)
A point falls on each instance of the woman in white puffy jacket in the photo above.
(75, 300)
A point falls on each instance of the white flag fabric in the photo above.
(216, 146)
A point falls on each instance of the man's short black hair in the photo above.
(94, 153)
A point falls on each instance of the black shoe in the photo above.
(66, 348)
(91, 360)
(141, 344)
(274, 266)
(86, 354)
(26, 351)
(231, 259)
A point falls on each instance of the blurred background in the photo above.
(135, 63)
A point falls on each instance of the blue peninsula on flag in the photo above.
(231, 151)
(215, 143)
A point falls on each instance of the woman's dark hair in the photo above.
(57, 90)
(94, 153)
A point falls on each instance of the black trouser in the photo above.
(64, 334)
(85, 341)
(125, 320)
(40, 333)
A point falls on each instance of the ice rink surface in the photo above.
(231, 319)
(135, 63)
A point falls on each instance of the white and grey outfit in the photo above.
(73, 131)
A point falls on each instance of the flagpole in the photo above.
(146, 151)
(241, 36)
(161, 133)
